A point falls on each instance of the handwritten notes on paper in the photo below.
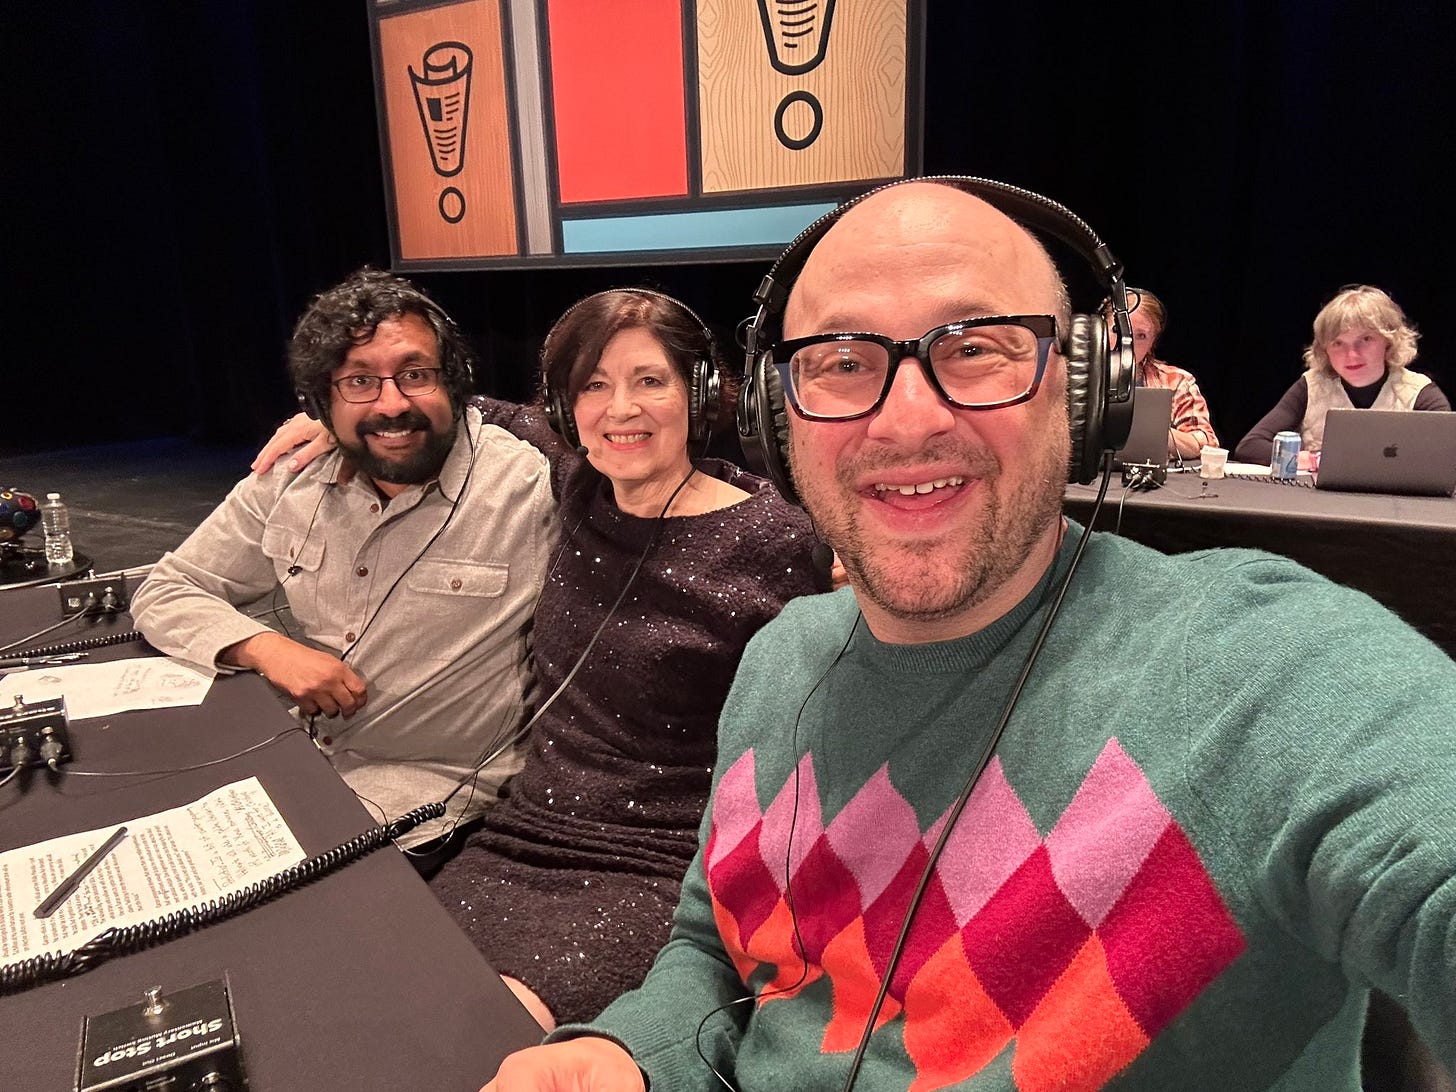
(174, 859)
(98, 690)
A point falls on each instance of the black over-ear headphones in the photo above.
(704, 384)
(1099, 377)
(455, 367)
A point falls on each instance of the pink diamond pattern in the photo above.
(1113, 913)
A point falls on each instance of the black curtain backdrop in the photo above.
(180, 178)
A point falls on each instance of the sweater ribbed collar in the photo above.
(977, 649)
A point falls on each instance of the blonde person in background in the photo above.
(1359, 359)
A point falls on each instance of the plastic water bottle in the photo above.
(56, 522)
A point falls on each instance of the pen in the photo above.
(38, 661)
(70, 883)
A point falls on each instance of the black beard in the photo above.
(423, 466)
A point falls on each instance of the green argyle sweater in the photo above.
(1225, 806)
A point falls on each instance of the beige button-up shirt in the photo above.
(435, 591)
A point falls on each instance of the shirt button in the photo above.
(374, 508)
(349, 636)
(362, 570)
(455, 585)
(328, 741)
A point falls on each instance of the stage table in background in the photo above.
(1399, 550)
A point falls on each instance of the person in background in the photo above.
(1359, 359)
(427, 529)
(668, 564)
(1190, 429)
(1220, 811)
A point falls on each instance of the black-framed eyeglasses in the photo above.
(412, 382)
(978, 364)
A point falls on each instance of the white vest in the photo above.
(1326, 392)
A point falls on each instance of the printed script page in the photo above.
(184, 857)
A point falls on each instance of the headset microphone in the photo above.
(581, 450)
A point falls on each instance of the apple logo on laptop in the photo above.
(1391, 451)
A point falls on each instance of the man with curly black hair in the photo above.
(427, 530)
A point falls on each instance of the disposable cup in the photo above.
(1212, 460)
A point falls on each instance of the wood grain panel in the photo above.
(487, 226)
(860, 85)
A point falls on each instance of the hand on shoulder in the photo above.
(298, 429)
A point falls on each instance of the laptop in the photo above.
(1389, 451)
(1147, 439)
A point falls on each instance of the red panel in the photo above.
(617, 89)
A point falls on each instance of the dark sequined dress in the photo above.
(570, 883)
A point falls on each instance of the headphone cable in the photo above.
(521, 732)
(965, 795)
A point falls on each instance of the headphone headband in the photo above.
(1024, 206)
(1099, 376)
(704, 384)
(455, 363)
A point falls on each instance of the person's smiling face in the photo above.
(632, 413)
(396, 440)
(1358, 355)
(935, 511)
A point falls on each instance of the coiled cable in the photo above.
(85, 644)
(123, 940)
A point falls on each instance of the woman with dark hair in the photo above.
(668, 563)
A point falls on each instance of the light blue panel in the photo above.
(689, 230)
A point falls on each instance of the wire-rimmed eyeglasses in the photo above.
(977, 364)
(412, 382)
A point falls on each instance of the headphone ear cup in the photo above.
(560, 418)
(462, 387)
(704, 390)
(763, 426)
(695, 402)
(1098, 424)
(310, 405)
(1086, 394)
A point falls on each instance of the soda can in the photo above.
(1285, 461)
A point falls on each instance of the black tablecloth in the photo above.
(1399, 550)
(359, 980)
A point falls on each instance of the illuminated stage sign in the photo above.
(614, 132)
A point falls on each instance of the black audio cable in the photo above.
(927, 873)
(85, 644)
(116, 941)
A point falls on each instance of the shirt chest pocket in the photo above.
(292, 551)
(460, 580)
(297, 558)
(459, 602)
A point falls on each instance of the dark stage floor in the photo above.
(131, 502)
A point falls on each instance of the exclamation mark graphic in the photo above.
(797, 35)
(442, 95)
